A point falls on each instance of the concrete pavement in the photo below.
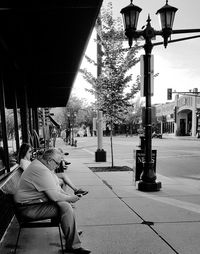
(116, 218)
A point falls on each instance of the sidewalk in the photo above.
(172, 136)
(116, 218)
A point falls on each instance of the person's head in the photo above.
(52, 158)
(25, 152)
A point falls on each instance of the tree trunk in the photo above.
(111, 143)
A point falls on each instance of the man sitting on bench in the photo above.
(37, 186)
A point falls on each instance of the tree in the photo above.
(115, 77)
(10, 127)
(10, 124)
(85, 117)
(135, 117)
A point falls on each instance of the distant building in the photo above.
(182, 116)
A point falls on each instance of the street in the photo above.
(115, 217)
(176, 157)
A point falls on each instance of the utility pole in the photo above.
(100, 154)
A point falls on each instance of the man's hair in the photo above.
(50, 154)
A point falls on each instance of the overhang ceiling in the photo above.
(41, 45)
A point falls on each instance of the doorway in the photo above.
(182, 127)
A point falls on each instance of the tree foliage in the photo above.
(77, 109)
(115, 78)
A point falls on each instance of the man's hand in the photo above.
(57, 196)
(74, 198)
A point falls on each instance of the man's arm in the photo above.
(66, 180)
(58, 196)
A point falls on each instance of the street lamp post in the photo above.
(130, 16)
(68, 128)
(73, 141)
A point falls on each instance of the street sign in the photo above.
(140, 159)
(142, 63)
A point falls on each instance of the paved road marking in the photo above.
(88, 151)
(175, 202)
(178, 156)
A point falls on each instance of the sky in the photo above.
(178, 65)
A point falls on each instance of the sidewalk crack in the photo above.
(107, 184)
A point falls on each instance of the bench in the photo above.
(8, 184)
(9, 208)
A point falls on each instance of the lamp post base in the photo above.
(100, 155)
(148, 187)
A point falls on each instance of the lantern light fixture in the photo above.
(130, 16)
(167, 14)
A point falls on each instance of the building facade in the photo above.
(182, 116)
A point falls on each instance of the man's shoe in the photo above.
(67, 163)
(80, 232)
(78, 251)
(80, 192)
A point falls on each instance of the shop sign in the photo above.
(185, 101)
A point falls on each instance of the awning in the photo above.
(54, 122)
(41, 46)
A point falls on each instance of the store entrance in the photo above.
(182, 127)
(186, 124)
(189, 124)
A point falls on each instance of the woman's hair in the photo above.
(23, 150)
